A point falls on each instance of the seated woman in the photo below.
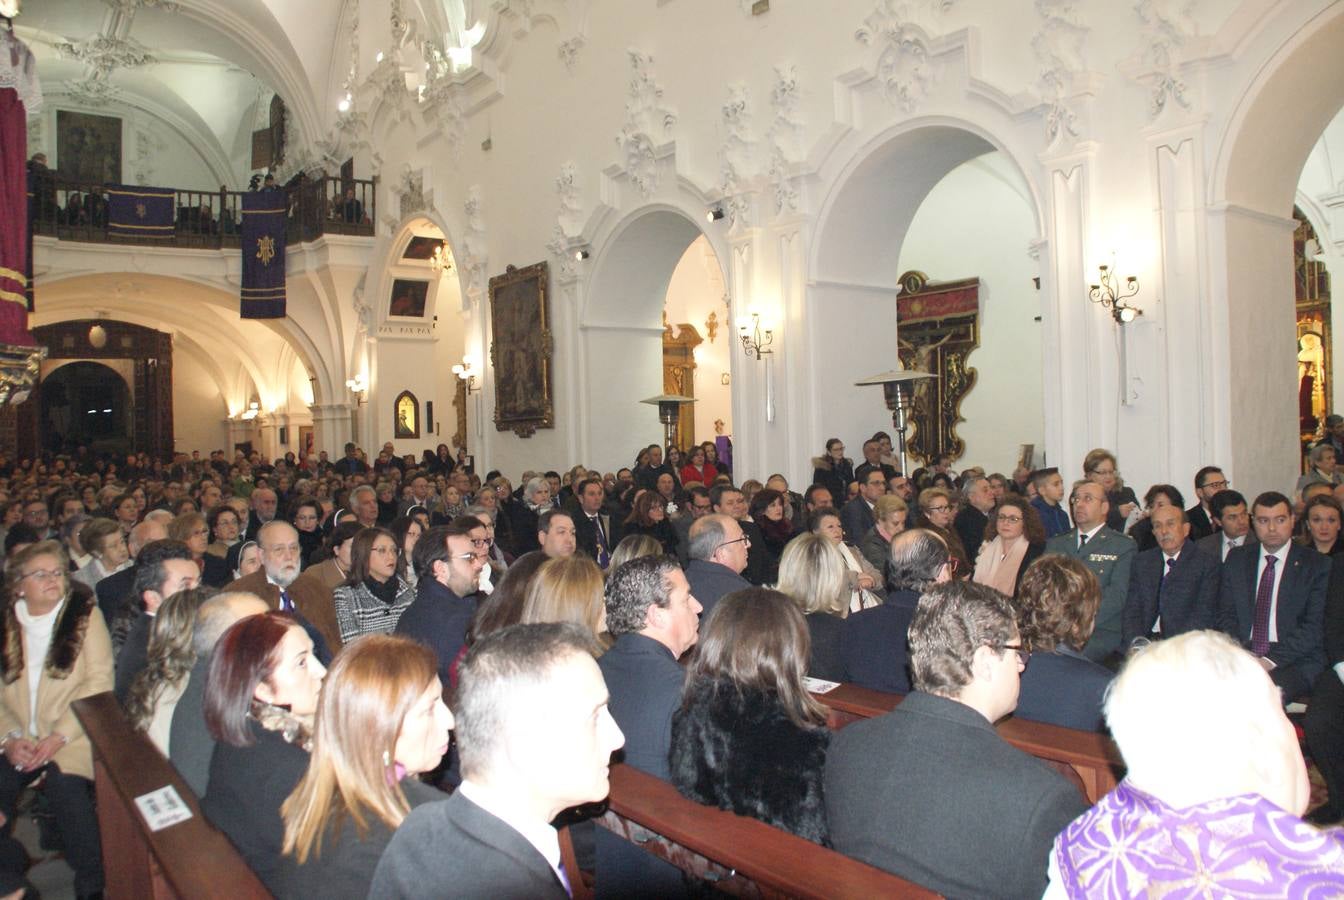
(244, 558)
(380, 724)
(373, 596)
(767, 511)
(748, 737)
(889, 515)
(1322, 468)
(865, 582)
(937, 509)
(1014, 538)
(191, 530)
(223, 522)
(406, 530)
(649, 516)
(1057, 609)
(54, 635)
(106, 545)
(1226, 765)
(168, 661)
(567, 589)
(260, 697)
(813, 574)
(332, 570)
(633, 546)
(1323, 515)
(306, 517)
(697, 469)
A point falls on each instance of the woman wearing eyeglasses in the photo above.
(56, 649)
(1014, 538)
(373, 596)
(936, 512)
(191, 530)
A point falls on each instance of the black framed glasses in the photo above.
(742, 540)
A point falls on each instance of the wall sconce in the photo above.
(1112, 297)
(755, 338)
(581, 254)
(442, 260)
(359, 386)
(465, 371)
(253, 410)
(714, 213)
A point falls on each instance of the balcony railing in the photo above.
(77, 211)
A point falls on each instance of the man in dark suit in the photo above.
(718, 551)
(278, 583)
(872, 461)
(448, 564)
(164, 568)
(1173, 588)
(655, 619)
(1231, 524)
(929, 791)
(973, 516)
(264, 502)
(1324, 723)
(1272, 598)
(856, 516)
(1208, 482)
(535, 738)
(698, 505)
(646, 476)
(594, 531)
(1108, 553)
(873, 642)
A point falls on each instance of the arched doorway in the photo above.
(86, 404)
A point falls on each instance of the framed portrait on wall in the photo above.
(406, 422)
(408, 298)
(521, 349)
(88, 147)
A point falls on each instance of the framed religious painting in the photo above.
(408, 298)
(520, 350)
(88, 147)
(407, 418)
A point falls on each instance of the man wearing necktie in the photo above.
(1173, 588)
(1108, 553)
(1272, 598)
(592, 528)
(1231, 522)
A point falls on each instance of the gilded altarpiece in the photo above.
(937, 328)
(1315, 365)
(679, 345)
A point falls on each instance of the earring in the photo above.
(387, 760)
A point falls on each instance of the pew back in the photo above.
(190, 859)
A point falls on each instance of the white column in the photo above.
(331, 427)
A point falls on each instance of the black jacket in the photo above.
(737, 750)
(873, 644)
(439, 619)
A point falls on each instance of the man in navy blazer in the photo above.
(1289, 634)
(873, 642)
(448, 567)
(1109, 554)
(856, 516)
(719, 549)
(1173, 588)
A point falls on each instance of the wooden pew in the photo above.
(190, 859)
(1091, 761)
(741, 856)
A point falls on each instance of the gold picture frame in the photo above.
(520, 349)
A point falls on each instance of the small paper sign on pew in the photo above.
(819, 685)
(162, 808)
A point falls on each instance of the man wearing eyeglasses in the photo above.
(857, 515)
(929, 791)
(278, 583)
(718, 551)
(1208, 481)
(448, 561)
(1109, 554)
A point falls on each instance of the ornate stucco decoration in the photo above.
(103, 53)
(568, 223)
(737, 162)
(1167, 28)
(410, 190)
(899, 31)
(786, 137)
(129, 5)
(1058, 48)
(91, 91)
(648, 124)
(474, 248)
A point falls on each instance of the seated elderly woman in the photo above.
(374, 596)
(380, 724)
(937, 509)
(1057, 609)
(105, 543)
(159, 685)
(865, 582)
(889, 514)
(56, 650)
(1014, 537)
(260, 697)
(748, 737)
(1209, 754)
(1322, 468)
(813, 573)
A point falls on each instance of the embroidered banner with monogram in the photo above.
(263, 294)
(134, 211)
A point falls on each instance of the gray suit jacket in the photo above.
(931, 793)
(1109, 554)
(1187, 599)
(456, 849)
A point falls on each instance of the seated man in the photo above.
(929, 791)
(1173, 587)
(448, 567)
(1231, 522)
(1227, 766)
(719, 550)
(535, 738)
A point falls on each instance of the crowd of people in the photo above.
(385, 674)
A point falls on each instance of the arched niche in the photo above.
(87, 403)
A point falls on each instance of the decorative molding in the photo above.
(130, 5)
(786, 137)
(103, 53)
(91, 91)
(568, 50)
(737, 155)
(1058, 47)
(900, 30)
(410, 191)
(568, 222)
(648, 124)
(363, 309)
(388, 85)
(474, 248)
(1167, 26)
(148, 147)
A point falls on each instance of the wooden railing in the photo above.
(189, 860)
(77, 211)
(1091, 761)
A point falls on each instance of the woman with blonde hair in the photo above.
(190, 529)
(169, 660)
(567, 589)
(814, 574)
(748, 737)
(1100, 466)
(633, 546)
(889, 514)
(380, 723)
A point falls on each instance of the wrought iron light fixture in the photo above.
(1109, 293)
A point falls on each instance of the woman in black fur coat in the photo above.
(748, 737)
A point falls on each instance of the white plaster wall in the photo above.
(976, 223)
(199, 412)
(696, 289)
